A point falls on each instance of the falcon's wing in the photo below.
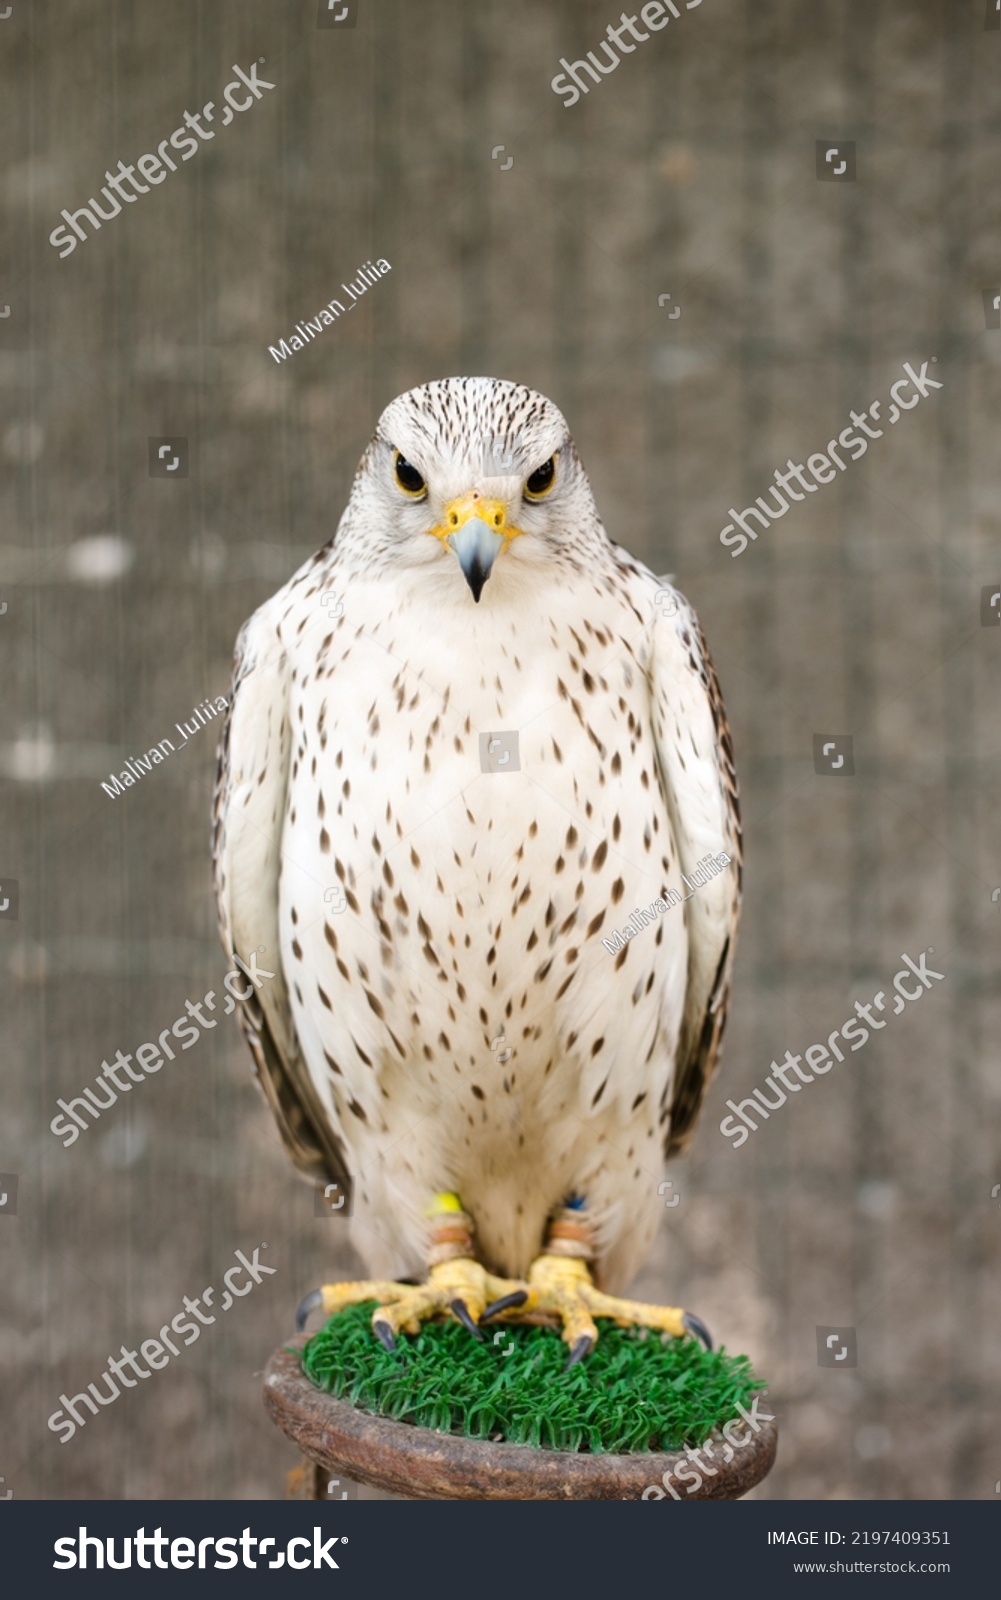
(696, 765)
(251, 785)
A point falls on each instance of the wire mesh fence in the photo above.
(745, 244)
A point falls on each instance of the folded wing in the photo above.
(697, 769)
(251, 788)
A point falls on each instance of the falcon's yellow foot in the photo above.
(460, 1287)
(457, 1283)
(562, 1286)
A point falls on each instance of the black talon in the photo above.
(697, 1326)
(505, 1303)
(582, 1347)
(384, 1334)
(309, 1304)
(462, 1312)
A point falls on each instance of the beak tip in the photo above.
(476, 575)
(476, 547)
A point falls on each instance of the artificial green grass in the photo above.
(632, 1393)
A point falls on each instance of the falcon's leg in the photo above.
(559, 1283)
(457, 1284)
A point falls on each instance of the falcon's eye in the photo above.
(408, 478)
(541, 480)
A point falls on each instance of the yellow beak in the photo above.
(477, 530)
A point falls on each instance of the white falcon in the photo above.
(476, 790)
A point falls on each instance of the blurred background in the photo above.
(690, 172)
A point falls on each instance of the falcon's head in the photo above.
(466, 472)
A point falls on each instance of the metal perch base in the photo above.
(340, 1441)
